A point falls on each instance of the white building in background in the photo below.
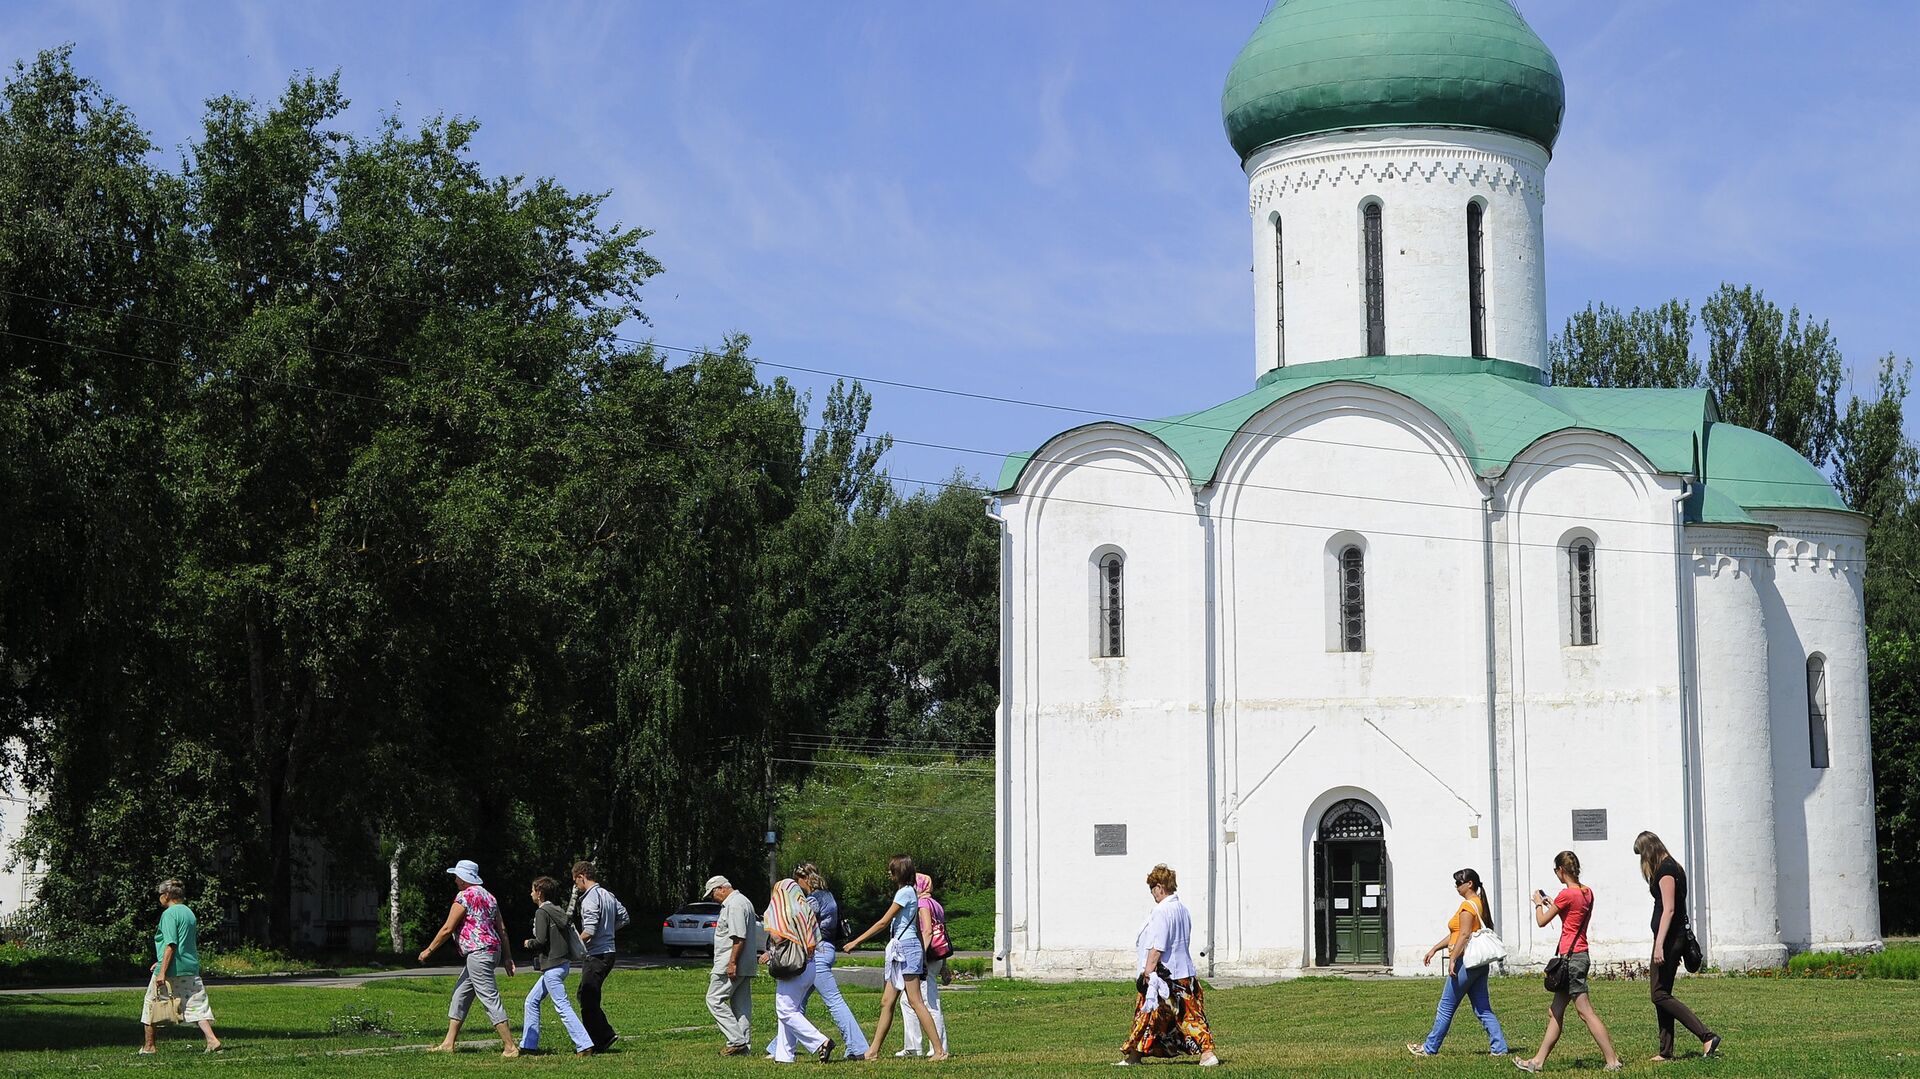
(1404, 607)
(18, 883)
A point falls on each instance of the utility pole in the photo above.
(772, 837)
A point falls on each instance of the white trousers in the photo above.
(790, 1017)
(910, 1023)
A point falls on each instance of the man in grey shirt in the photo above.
(600, 914)
(730, 986)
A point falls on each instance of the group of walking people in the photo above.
(1567, 973)
(802, 933)
(804, 930)
(474, 921)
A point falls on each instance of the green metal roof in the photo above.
(1761, 472)
(1328, 65)
(1497, 409)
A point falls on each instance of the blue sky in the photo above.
(1036, 201)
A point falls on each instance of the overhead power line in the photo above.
(997, 454)
(1186, 514)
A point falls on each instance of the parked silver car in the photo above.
(690, 929)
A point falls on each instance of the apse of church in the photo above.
(1405, 608)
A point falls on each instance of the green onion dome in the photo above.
(1314, 66)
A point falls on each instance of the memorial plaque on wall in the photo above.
(1589, 824)
(1109, 839)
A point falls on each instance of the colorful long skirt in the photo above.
(1178, 1027)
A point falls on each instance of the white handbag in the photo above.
(1483, 947)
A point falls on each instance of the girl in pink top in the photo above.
(1574, 907)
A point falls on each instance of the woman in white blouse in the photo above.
(1170, 1018)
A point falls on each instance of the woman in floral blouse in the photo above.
(475, 917)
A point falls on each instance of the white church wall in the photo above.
(1303, 723)
(1102, 741)
(19, 883)
(1828, 891)
(1424, 178)
(1734, 899)
(1586, 727)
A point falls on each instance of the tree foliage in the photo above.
(342, 520)
(1768, 369)
(1772, 372)
(1605, 346)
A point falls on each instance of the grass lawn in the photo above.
(1310, 1027)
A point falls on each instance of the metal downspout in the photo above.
(1689, 713)
(1213, 797)
(1493, 731)
(1002, 779)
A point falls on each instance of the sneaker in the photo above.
(907, 1052)
(1419, 1050)
(734, 1051)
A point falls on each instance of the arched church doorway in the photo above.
(1350, 885)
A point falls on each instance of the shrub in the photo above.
(23, 966)
(244, 959)
(1898, 962)
(361, 1017)
(851, 815)
(1901, 962)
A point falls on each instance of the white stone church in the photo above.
(1405, 607)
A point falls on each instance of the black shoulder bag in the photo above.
(1555, 978)
(1690, 953)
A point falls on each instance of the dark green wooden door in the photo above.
(1356, 901)
(1350, 886)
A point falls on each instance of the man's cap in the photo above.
(716, 882)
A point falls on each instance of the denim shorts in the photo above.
(913, 958)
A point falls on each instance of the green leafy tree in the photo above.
(1604, 346)
(1875, 468)
(1771, 371)
(91, 243)
(340, 511)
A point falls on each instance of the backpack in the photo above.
(940, 947)
(576, 948)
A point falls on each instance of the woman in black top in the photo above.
(1668, 883)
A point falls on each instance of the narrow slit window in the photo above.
(1376, 288)
(1817, 710)
(1279, 293)
(1353, 600)
(1580, 606)
(1477, 278)
(1112, 591)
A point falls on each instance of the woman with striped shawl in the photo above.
(790, 917)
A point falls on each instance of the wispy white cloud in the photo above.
(1052, 160)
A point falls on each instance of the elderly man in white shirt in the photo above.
(730, 986)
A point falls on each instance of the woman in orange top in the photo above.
(1470, 984)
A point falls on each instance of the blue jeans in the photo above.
(829, 990)
(1471, 984)
(552, 983)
